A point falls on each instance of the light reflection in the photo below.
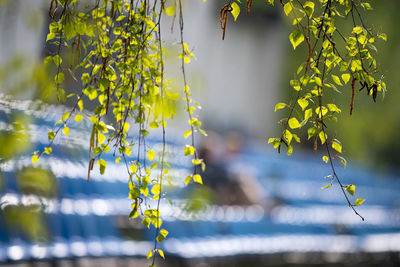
(38, 252)
(15, 253)
(78, 248)
(60, 250)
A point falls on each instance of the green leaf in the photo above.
(170, 11)
(294, 123)
(188, 150)
(289, 150)
(85, 78)
(357, 30)
(346, 77)
(51, 135)
(156, 189)
(188, 179)
(91, 92)
(57, 60)
(133, 168)
(65, 130)
(187, 133)
(279, 106)
(326, 186)
(80, 105)
(322, 137)
(65, 116)
(163, 232)
(78, 117)
(308, 114)
(318, 81)
(160, 238)
(161, 253)
(197, 179)
(311, 132)
(150, 254)
(333, 108)
(154, 165)
(35, 158)
(153, 125)
(50, 36)
(288, 7)
(151, 154)
(296, 38)
(275, 142)
(359, 201)
(383, 36)
(295, 84)
(303, 103)
(288, 136)
(337, 146)
(59, 78)
(309, 8)
(102, 163)
(343, 160)
(336, 79)
(235, 10)
(351, 189)
(146, 222)
(48, 150)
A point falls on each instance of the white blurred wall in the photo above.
(235, 80)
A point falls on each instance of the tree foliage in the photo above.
(115, 49)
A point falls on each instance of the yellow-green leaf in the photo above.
(197, 178)
(170, 11)
(294, 123)
(65, 116)
(289, 150)
(325, 159)
(337, 146)
(161, 253)
(303, 103)
(351, 189)
(322, 137)
(346, 77)
(359, 201)
(78, 117)
(133, 168)
(189, 150)
(280, 106)
(336, 79)
(188, 179)
(357, 30)
(326, 186)
(151, 154)
(235, 10)
(296, 38)
(288, 7)
(187, 133)
(35, 158)
(308, 114)
(66, 130)
(153, 125)
(318, 81)
(150, 254)
(102, 164)
(48, 150)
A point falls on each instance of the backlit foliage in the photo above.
(115, 50)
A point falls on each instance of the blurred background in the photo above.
(257, 208)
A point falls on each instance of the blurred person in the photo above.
(230, 186)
